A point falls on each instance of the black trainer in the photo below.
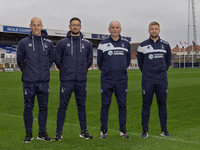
(44, 136)
(103, 134)
(165, 133)
(58, 136)
(28, 138)
(85, 134)
(144, 134)
(124, 134)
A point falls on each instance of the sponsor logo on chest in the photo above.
(110, 53)
(155, 56)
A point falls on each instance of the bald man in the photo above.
(113, 59)
(35, 55)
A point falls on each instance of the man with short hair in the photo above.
(35, 55)
(154, 59)
(113, 59)
(74, 56)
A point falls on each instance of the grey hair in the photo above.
(114, 21)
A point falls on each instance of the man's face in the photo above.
(114, 29)
(36, 26)
(75, 27)
(154, 31)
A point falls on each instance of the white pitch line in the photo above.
(175, 139)
(112, 130)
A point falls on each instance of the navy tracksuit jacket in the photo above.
(154, 60)
(35, 55)
(74, 55)
(113, 59)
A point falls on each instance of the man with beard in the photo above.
(154, 59)
(74, 55)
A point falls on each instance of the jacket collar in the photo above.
(113, 40)
(153, 41)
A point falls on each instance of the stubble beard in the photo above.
(154, 36)
(75, 33)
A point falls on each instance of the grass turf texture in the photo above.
(183, 115)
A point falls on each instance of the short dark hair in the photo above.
(75, 18)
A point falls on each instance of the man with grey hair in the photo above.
(113, 59)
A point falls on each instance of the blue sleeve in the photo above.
(168, 58)
(99, 58)
(129, 55)
(58, 55)
(21, 55)
(140, 58)
(89, 56)
(51, 55)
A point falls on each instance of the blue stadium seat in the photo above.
(9, 48)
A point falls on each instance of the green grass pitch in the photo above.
(183, 115)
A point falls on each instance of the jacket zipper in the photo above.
(76, 65)
(40, 63)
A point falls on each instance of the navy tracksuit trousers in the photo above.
(148, 91)
(30, 91)
(107, 90)
(66, 89)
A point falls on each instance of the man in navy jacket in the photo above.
(74, 56)
(113, 59)
(154, 59)
(35, 55)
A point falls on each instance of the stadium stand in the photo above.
(11, 35)
(10, 49)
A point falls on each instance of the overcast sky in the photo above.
(134, 16)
